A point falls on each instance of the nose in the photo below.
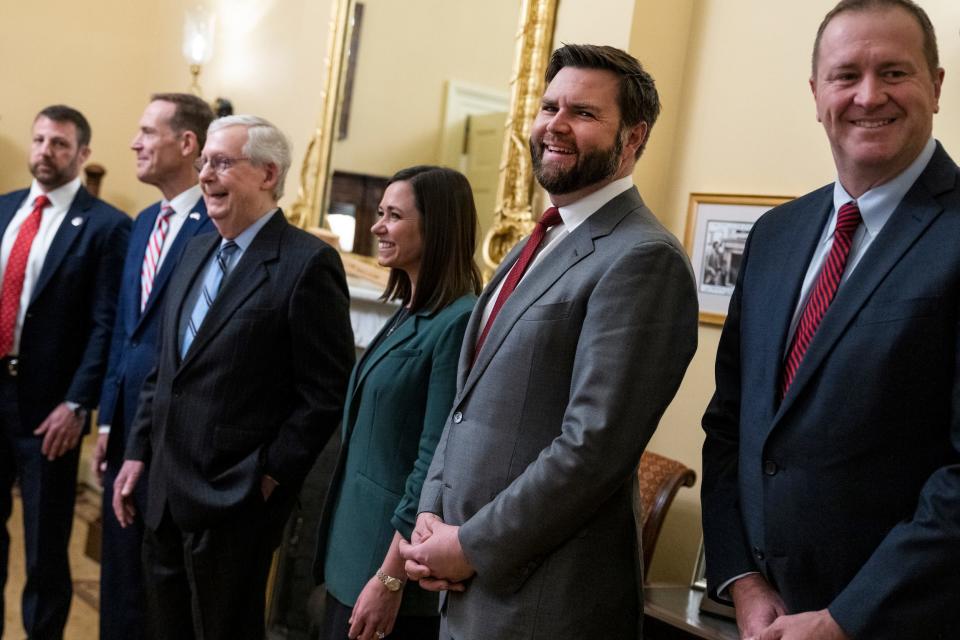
(135, 144)
(871, 92)
(207, 174)
(558, 122)
(378, 227)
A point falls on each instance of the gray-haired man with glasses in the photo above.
(255, 352)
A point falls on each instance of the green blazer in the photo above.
(398, 400)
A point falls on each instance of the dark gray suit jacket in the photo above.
(847, 494)
(537, 463)
(262, 386)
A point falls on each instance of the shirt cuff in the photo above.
(103, 429)
(723, 590)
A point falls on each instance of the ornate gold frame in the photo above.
(513, 217)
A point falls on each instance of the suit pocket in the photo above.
(229, 438)
(552, 311)
(894, 310)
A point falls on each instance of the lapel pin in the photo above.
(194, 215)
(77, 221)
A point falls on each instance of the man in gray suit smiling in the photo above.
(571, 355)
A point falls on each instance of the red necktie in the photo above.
(550, 218)
(151, 258)
(848, 219)
(14, 272)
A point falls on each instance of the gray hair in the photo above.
(266, 144)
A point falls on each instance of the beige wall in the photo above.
(738, 118)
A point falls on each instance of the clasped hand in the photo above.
(434, 556)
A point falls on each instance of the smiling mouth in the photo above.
(385, 244)
(873, 124)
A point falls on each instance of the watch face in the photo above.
(392, 583)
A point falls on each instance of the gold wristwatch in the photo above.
(391, 583)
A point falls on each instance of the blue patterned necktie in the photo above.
(211, 287)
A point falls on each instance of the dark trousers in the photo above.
(123, 602)
(210, 585)
(48, 493)
(336, 623)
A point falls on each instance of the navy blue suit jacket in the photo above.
(133, 352)
(65, 337)
(847, 493)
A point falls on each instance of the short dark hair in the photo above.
(929, 35)
(638, 98)
(190, 114)
(63, 113)
(448, 227)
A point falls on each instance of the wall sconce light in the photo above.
(198, 29)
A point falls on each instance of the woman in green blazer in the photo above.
(398, 398)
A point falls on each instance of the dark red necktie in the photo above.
(848, 219)
(550, 218)
(14, 272)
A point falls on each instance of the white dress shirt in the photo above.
(53, 215)
(182, 206)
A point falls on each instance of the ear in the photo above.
(636, 135)
(84, 154)
(188, 144)
(813, 90)
(272, 175)
(937, 86)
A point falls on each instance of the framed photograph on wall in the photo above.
(716, 233)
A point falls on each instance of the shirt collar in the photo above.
(246, 237)
(60, 198)
(574, 214)
(183, 203)
(878, 204)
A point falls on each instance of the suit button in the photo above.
(457, 417)
(770, 468)
(134, 344)
(758, 553)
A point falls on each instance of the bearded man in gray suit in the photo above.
(573, 352)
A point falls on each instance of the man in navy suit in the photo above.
(60, 257)
(831, 490)
(172, 132)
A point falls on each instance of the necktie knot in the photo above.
(848, 217)
(166, 211)
(41, 202)
(550, 218)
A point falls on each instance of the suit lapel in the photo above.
(911, 218)
(565, 255)
(245, 278)
(798, 241)
(136, 251)
(6, 215)
(190, 227)
(71, 227)
(369, 361)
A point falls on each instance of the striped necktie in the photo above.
(211, 287)
(848, 219)
(151, 258)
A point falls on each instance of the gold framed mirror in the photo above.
(506, 215)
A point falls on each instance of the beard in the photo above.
(591, 168)
(51, 176)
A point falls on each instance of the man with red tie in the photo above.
(573, 352)
(60, 256)
(831, 488)
(172, 131)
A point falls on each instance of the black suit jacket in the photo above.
(847, 494)
(262, 386)
(65, 337)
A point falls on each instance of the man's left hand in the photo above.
(61, 432)
(812, 625)
(442, 554)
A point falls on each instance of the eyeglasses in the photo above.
(220, 164)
